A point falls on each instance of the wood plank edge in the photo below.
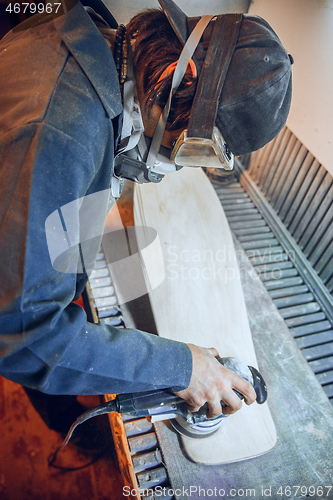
(123, 454)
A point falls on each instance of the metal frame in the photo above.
(295, 193)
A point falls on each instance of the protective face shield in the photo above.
(194, 147)
(198, 151)
(242, 99)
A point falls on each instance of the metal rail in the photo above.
(300, 191)
(274, 260)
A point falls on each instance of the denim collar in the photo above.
(92, 53)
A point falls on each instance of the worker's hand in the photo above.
(211, 382)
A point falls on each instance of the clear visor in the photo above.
(200, 152)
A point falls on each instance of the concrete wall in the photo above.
(305, 28)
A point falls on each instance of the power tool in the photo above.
(165, 405)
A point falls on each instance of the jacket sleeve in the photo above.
(46, 342)
(56, 148)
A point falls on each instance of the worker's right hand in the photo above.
(211, 382)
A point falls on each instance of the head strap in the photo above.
(179, 73)
(213, 75)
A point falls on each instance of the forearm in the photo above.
(81, 358)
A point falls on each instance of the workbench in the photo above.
(300, 465)
(301, 411)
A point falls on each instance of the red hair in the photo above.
(156, 46)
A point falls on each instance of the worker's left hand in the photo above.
(211, 382)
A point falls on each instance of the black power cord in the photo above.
(102, 409)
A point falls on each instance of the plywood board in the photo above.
(201, 300)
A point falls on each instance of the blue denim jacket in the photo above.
(59, 103)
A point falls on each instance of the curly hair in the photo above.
(156, 46)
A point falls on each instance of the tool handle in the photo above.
(129, 403)
(259, 385)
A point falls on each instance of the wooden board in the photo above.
(201, 300)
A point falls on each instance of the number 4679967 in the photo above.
(32, 8)
(306, 491)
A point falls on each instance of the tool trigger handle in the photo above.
(259, 385)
